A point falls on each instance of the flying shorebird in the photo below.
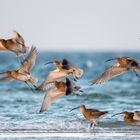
(130, 118)
(23, 72)
(92, 115)
(15, 44)
(123, 65)
(62, 70)
(61, 89)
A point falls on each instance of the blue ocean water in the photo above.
(19, 106)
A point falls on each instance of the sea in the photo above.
(19, 105)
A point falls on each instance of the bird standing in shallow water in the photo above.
(130, 118)
(92, 115)
(62, 70)
(15, 44)
(23, 72)
(61, 89)
(123, 65)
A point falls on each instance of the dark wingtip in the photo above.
(68, 82)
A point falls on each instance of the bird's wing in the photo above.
(110, 73)
(69, 82)
(69, 86)
(6, 78)
(66, 64)
(18, 37)
(29, 61)
(43, 85)
(77, 72)
(95, 110)
(98, 114)
(49, 98)
(53, 76)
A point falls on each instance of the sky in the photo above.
(73, 25)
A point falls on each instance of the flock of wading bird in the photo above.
(60, 81)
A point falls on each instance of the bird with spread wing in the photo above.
(62, 70)
(23, 72)
(123, 65)
(60, 89)
(15, 44)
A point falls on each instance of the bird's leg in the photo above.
(94, 123)
(33, 85)
(136, 74)
(75, 79)
(91, 124)
(29, 86)
(28, 83)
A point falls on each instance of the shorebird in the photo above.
(130, 118)
(23, 72)
(124, 64)
(15, 44)
(60, 89)
(62, 70)
(92, 115)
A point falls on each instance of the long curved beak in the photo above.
(49, 63)
(117, 114)
(110, 59)
(75, 108)
(51, 82)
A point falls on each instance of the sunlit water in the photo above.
(19, 106)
